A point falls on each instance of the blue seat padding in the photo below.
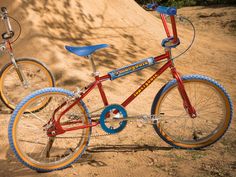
(85, 50)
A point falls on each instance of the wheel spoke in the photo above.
(35, 146)
(177, 127)
(11, 83)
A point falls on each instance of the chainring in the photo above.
(109, 119)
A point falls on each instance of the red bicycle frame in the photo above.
(58, 129)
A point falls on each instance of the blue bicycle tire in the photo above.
(22, 156)
(195, 143)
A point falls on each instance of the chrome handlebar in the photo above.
(10, 33)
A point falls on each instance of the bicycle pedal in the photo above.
(151, 119)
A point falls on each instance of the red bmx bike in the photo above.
(189, 112)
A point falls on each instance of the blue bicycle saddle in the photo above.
(85, 50)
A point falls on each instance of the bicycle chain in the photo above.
(104, 134)
(99, 135)
(137, 118)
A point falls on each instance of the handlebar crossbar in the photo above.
(166, 10)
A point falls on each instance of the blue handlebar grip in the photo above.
(167, 10)
(151, 5)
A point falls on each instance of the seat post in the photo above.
(95, 73)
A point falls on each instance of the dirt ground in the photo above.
(133, 34)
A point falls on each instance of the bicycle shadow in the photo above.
(88, 159)
(126, 148)
(11, 167)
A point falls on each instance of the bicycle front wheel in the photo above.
(28, 135)
(212, 104)
(35, 74)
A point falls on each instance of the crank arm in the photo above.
(143, 118)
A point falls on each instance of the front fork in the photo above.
(186, 102)
(18, 71)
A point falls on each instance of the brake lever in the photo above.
(7, 36)
(2, 47)
(4, 10)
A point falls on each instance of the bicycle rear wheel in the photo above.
(34, 72)
(213, 107)
(28, 131)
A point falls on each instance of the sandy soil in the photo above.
(132, 34)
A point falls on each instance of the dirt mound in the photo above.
(55, 24)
